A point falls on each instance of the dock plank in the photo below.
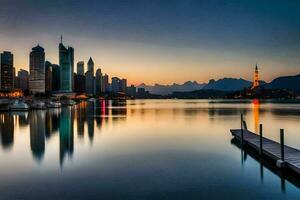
(270, 148)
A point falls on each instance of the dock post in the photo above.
(260, 139)
(242, 131)
(282, 143)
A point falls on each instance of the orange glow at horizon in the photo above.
(143, 63)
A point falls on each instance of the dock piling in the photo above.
(242, 132)
(282, 143)
(260, 139)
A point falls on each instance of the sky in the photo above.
(160, 41)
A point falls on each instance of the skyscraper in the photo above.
(48, 77)
(89, 78)
(131, 91)
(115, 84)
(23, 77)
(55, 77)
(105, 84)
(123, 85)
(80, 68)
(79, 83)
(7, 71)
(37, 70)
(66, 63)
(91, 65)
(98, 81)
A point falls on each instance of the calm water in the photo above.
(142, 149)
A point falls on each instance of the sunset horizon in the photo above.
(204, 40)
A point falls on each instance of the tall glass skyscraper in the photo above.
(66, 63)
(7, 71)
(89, 78)
(37, 70)
(80, 68)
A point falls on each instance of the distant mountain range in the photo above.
(285, 82)
(168, 89)
(225, 84)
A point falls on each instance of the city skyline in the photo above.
(206, 40)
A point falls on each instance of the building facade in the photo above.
(123, 85)
(23, 79)
(105, 83)
(80, 68)
(79, 83)
(66, 63)
(98, 81)
(7, 71)
(89, 78)
(37, 70)
(55, 78)
(115, 84)
(48, 77)
(131, 91)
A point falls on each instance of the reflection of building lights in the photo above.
(103, 106)
(255, 103)
(16, 93)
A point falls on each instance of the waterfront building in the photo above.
(48, 77)
(255, 78)
(23, 78)
(90, 65)
(79, 83)
(105, 84)
(37, 70)
(123, 85)
(15, 81)
(7, 72)
(55, 78)
(131, 91)
(115, 84)
(142, 93)
(80, 68)
(66, 63)
(98, 81)
(89, 78)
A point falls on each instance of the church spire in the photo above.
(255, 78)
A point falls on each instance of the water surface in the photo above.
(142, 149)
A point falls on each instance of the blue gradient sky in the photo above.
(162, 41)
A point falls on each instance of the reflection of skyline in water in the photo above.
(44, 124)
(37, 122)
(95, 143)
(7, 130)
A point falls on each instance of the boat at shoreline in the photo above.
(18, 105)
(38, 105)
(69, 102)
(54, 104)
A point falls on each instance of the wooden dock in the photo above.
(284, 156)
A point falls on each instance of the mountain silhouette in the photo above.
(285, 82)
(169, 89)
(291, 83)
(227, 84)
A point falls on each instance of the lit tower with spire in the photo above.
(256, 78)
(66, 63)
